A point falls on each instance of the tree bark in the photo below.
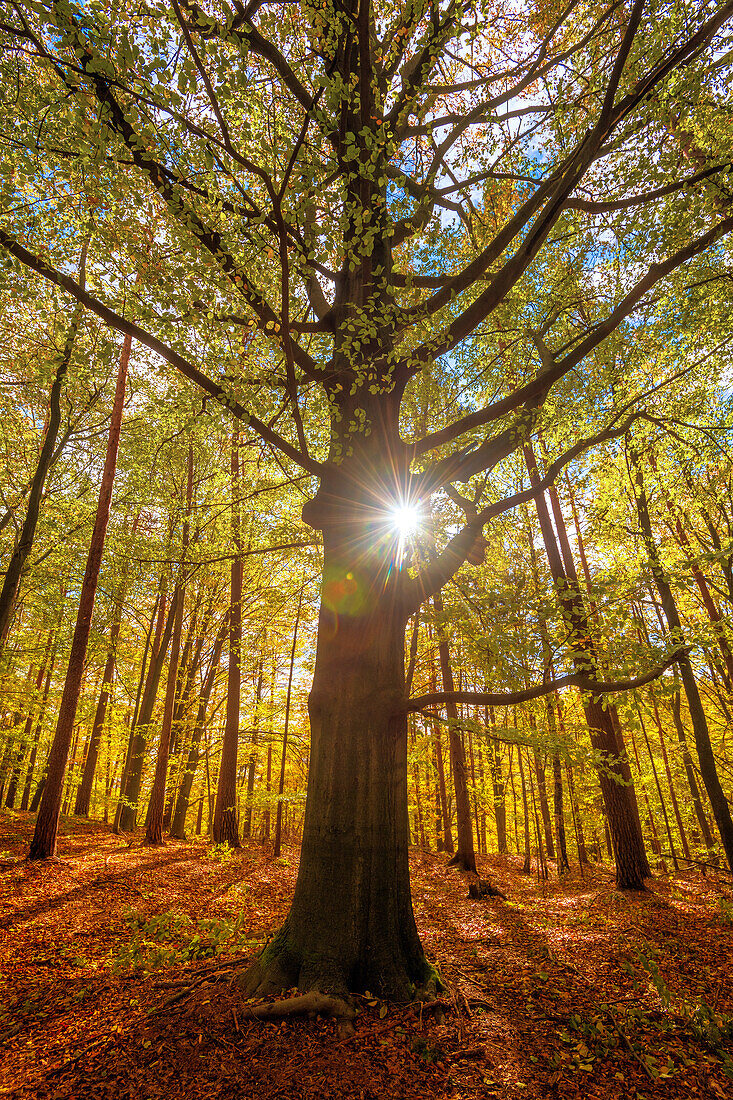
(43, 844)
(351, 924)
(226, 829)
(465, 855)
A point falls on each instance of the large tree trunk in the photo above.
(351, 924)
(44, 837)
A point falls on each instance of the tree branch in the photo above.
(572, 679)
(147, 339)
(554, 193)
(552, 371)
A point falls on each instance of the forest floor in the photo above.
(568, 988)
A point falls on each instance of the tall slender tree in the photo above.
(43, 844)
(701, 733)
(226, 826)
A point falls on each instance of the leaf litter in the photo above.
(117, 965)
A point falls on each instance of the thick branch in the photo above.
(572, 679)
(449, 561)
(207, 27)
(605, 206)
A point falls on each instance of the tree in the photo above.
(614, 774)
(708, 770)
(43, 844)
(394, 186)
(226, 827)
(49, 452)
(156, 806)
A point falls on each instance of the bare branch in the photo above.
(572, 679)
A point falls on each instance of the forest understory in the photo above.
(116, 981)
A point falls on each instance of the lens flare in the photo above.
(405, 519)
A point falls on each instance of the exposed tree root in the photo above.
(431, 987)
(282, 966)
(321, 1003)
(483, 888)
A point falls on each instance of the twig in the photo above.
(367, 1032)
(627, 1043)
(79, 1056)
(468, 978)
(720, 868)
(183, 993)
(211, 968)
